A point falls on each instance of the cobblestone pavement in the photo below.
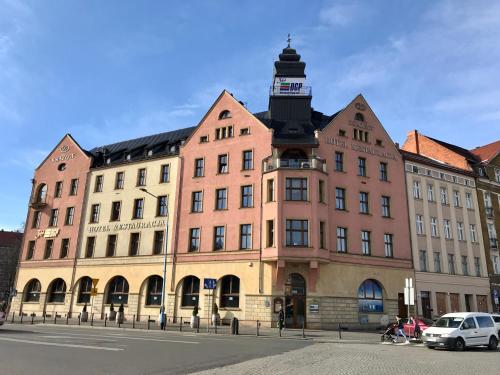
(375, 358)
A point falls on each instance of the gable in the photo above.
(66, 151)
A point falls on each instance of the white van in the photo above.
(459, 330)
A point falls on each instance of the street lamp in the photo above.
(162, 308)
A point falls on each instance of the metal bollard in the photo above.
(149, 318)
(32, 318)
(55, 318)
(92, 319)
(303, 329)
(12, 318)
(180, 325)
(105, 320)
(43, 318)
(258, 324)
(22, 316)
(340, 332)
(133, 322)
(198, 327)
(67, 319)
(80, 319)
(215, 326)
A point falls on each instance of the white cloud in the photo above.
(341, 14)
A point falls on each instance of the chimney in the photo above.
(415, 132)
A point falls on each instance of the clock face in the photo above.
(288, 85)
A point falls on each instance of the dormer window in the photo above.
(150, 153)
(108, 160)
(359, 117)
(128, 156)
(224, 114)
(172, 149)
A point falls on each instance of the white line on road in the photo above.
(129, 338)
(62, 345)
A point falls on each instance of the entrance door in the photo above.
(402, 308)
(426, 304)
(295, 301)
(482, 305)
(454, 302)
(441, 303)
(468, 302)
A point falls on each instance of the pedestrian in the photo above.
(417, 331)
(281, 319)
(400, 329)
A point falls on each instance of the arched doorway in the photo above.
(295, 301)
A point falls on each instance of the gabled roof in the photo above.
(10, 239)
(419, 158)
(487, 152)
(456, 149)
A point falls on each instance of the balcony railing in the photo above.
(489, 212)
(38, 202)
(493, 243)
(273, 163)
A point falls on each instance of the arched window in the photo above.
(230, 291)
(295, 285)
(41, 194)
(32, 291)
(359, 117)
(224, 114)
(370, 297)
(57, 291)
(155, 285)
(190, 291)
(61, 167)
(117, 290)
(84, 290)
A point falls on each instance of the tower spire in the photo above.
(289, 40)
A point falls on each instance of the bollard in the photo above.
(133, 322)
(80, 319)
(32, 318)
(215, 326)
(92, 319)
(198, 327)
(12, 317)
(55, 318)
(258, 323)
(340, 332)
(105, 320)
(180, 325)
(67, 319)
(43, 318)
(303, 329)
(149, 318)
(22, 316)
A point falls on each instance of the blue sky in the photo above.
(113, 70)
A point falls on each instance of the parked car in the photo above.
(496, 318)
(2, 318)
(460, 330)
(409, 325)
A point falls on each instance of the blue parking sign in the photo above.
(209, 283)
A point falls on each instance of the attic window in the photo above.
(244, 131)
(359, 117)
(204, 139)
(378, 142)
(150, 152)
(61, 167)
(108, 160)
(224, 114)
(172, 149)
(128, 156)
(342, 133)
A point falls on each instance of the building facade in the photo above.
(10, 246)
(445, 224)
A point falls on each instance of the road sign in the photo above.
(409, 292)
(94, 282)
(93, 292)
(209, 283)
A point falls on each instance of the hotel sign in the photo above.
(288, 85)
(360, 148)
(128, 226)
(64, 149)
(47, 233)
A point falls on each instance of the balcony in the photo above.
(489, 213)
(493, 243)
(273, 163)
(38, 203)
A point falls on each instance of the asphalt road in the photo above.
(64, 350)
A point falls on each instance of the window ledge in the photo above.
(229, 309)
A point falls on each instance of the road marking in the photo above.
(62, 345)
(130, 338)
(71, 338)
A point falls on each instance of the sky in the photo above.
(115, 70)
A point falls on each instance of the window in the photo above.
(420, 224)
(224, 114)
(378, 142)
(383, 171)
(422, 257)
(484, 321)
(58, 189)
(247, 160)
(73, 187)
(342, 133)
(447, 229)
(437, 262)
(247, 196)
(221, 199)
(199, 167)
(388, 245)
(32, 293)
(31, 250)
(361, 135)
(270, 190)
(297, 233)
(162, 205)
(49, 244)
(416, 190)
(194, 239)
(111, 245)
(196, 201)
(363, 203)
(219, 234)
(477, 266)
(321, 191)
(322, 235)
(84, 290)
(61, 167)
(115, 210)
(119, 180)
(430, 193)
(99, 181)
(204, 139)
(456, 198)
(244, 131)
(473, 236)
(155, 288)
(64, 248)
(165, 173)
(487, 200)
(94, 213)
(57, 291)
(141, 177)
(386, 206)
(245, 236)
(451, 264)
(223, 164)
(134, 244)
(190, 291)
(339, 198)
(434, 227)
(138, 208)
(117, 291)
(225, 132)
(270, 232)
(89, 249)
(444, 195)
(54, 214)
(296, 189)
(465, 268)
(230, 292)
(339, 161)
(70, 214)
(362, 167)
(365, 242)
(370, 297)
(497, 175)
(342, 240)
(41, 194)
(158, 242)
(37, 215)
(468, 201)
(460, 231)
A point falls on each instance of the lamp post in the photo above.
(162, 308)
